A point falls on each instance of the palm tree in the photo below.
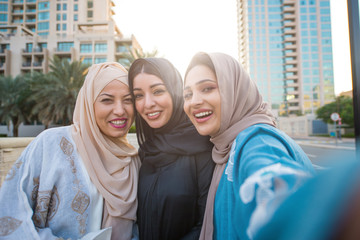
(55, 93)
(132, 54)
(15, 103)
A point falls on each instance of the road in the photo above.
(323, 152)
(326, 152)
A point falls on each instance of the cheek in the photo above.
(139, 106)
(130, 111)
(186, 108)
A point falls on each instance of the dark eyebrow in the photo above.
(201, 81)
(152, 86)
(106, 94)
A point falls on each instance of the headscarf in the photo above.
(178, 136)
(241, 107)
(112, 163)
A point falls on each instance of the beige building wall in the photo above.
(86, 21)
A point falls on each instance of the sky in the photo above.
(179, 29)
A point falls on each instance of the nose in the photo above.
(149, 101)
(119, 108)
(196, 99)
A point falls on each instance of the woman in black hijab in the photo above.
(176, 166)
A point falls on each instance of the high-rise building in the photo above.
(286, 46)
(33, 31)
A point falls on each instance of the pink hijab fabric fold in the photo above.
(112, 163)
(241, 107)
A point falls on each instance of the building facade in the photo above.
(286, 46)
(33, 31)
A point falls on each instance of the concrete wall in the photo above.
(24, 130)
(10, 150)
(295, 126)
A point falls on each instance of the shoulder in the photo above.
(259, 133)
(49, 140)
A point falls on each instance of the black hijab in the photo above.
(178, 137)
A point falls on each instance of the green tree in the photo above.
(343, 105)
(134, 54)
(55, 93)
(15, 102)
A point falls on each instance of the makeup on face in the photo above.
(202, 100)
(114, 112)
(152, 100)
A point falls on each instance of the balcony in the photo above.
(289, 8)
(293, 69)
(289, 24)
(32, 20)
(32, 10)
(289, 16)
(293, 85)
(18, 21)
(290, 39)
(290, 31)
(17, 12)
(18, 2)
(290, 62)
(37, 64)
(26, 64)
(30, 2)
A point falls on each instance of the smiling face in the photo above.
(202, 100)
(152, 100)
(114, 112)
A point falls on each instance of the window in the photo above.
(90, 4)
(76, 7)
(64, 17)
(85, 47)
(325, 11)
(43, 26)
(87, 61)
(65, 46)
(58, 28)
(121, 48)
(100, 59)
(44, 6)
(58, 7)
(64, 27)
(42, 45)
(29, 47)
(43, 16)
(58, 17)
(90, 14)
(3, 17)
(100, 47)
(64, 6)
(43, 33)
(3, 7)
(75, 17)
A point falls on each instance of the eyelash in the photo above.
(158, 91)
(105, 100)
(187, 96)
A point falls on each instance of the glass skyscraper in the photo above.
(286, 46)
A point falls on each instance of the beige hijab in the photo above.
(112, 163)
(241, 106)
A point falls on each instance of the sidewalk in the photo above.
(326, 142)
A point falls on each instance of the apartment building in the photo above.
(286, 46)
(33, 31)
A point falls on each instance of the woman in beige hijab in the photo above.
(256, 164)
(78, 181)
